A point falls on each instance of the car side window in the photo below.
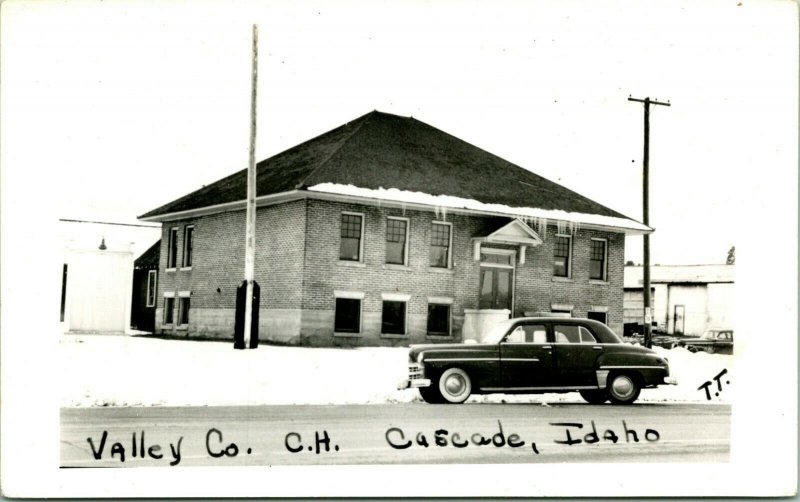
(725, 335)
(587, 336)
(516, 336)
(529, 333)
(567, 334)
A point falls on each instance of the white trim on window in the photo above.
(184, 294)
(562, 306)
(169, 294)
(569, 258)
(152, 279)
(604, 272)
(408, 233)
(172, 237)
(353, 295)
(360, 241)
(440, 300)
(449, 245)
(598, 308)
(185, 247)
(395, 297)
(502, 252)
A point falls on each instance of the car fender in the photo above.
(649, 366)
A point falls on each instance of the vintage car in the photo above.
(713, 341)
(536, 355)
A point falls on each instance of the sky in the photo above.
(124, 106)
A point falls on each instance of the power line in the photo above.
(109, 223)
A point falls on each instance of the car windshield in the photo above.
(496, 332)
(709, 335)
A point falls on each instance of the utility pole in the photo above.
(249, 292)
(648, 317)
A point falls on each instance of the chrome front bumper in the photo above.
(670, 380)
(413, 384)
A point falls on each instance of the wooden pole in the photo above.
(250, 231)
(647, 313)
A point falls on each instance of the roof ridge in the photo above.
(314, 171)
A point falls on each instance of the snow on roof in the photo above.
(444, 202)
(696, 274)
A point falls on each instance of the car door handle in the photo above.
(596, 347)
(547, 347)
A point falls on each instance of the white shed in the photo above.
(686, 299)
(97, 274)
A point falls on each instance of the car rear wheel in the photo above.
(623, 389)
(594, 396)
(455, 385)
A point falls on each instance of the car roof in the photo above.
(606, 333)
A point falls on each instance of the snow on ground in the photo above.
(101, 370)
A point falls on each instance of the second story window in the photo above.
(351, 235)
(188, 243)
(562, 250)
(440, 245)
(172, 248)
(396, 239)
(597, 260)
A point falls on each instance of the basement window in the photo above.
(393, 321)
(438, 319)
(169, 310)
(347, 318)
(183, 311)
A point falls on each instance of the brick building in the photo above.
(460, 239)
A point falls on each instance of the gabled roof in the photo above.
(149, 259)
(679, 274)
(513, 232)
(384, 151)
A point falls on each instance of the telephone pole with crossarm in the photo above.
(648, 315)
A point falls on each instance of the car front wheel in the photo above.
(455, 385)
(431, 395)
(623, 389)
(598, 396)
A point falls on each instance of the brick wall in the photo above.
(218, 265)
(298, 268)
(535, 287)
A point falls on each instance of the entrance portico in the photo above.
(497, 275)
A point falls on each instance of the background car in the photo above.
(713, 341)
(536, 355)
